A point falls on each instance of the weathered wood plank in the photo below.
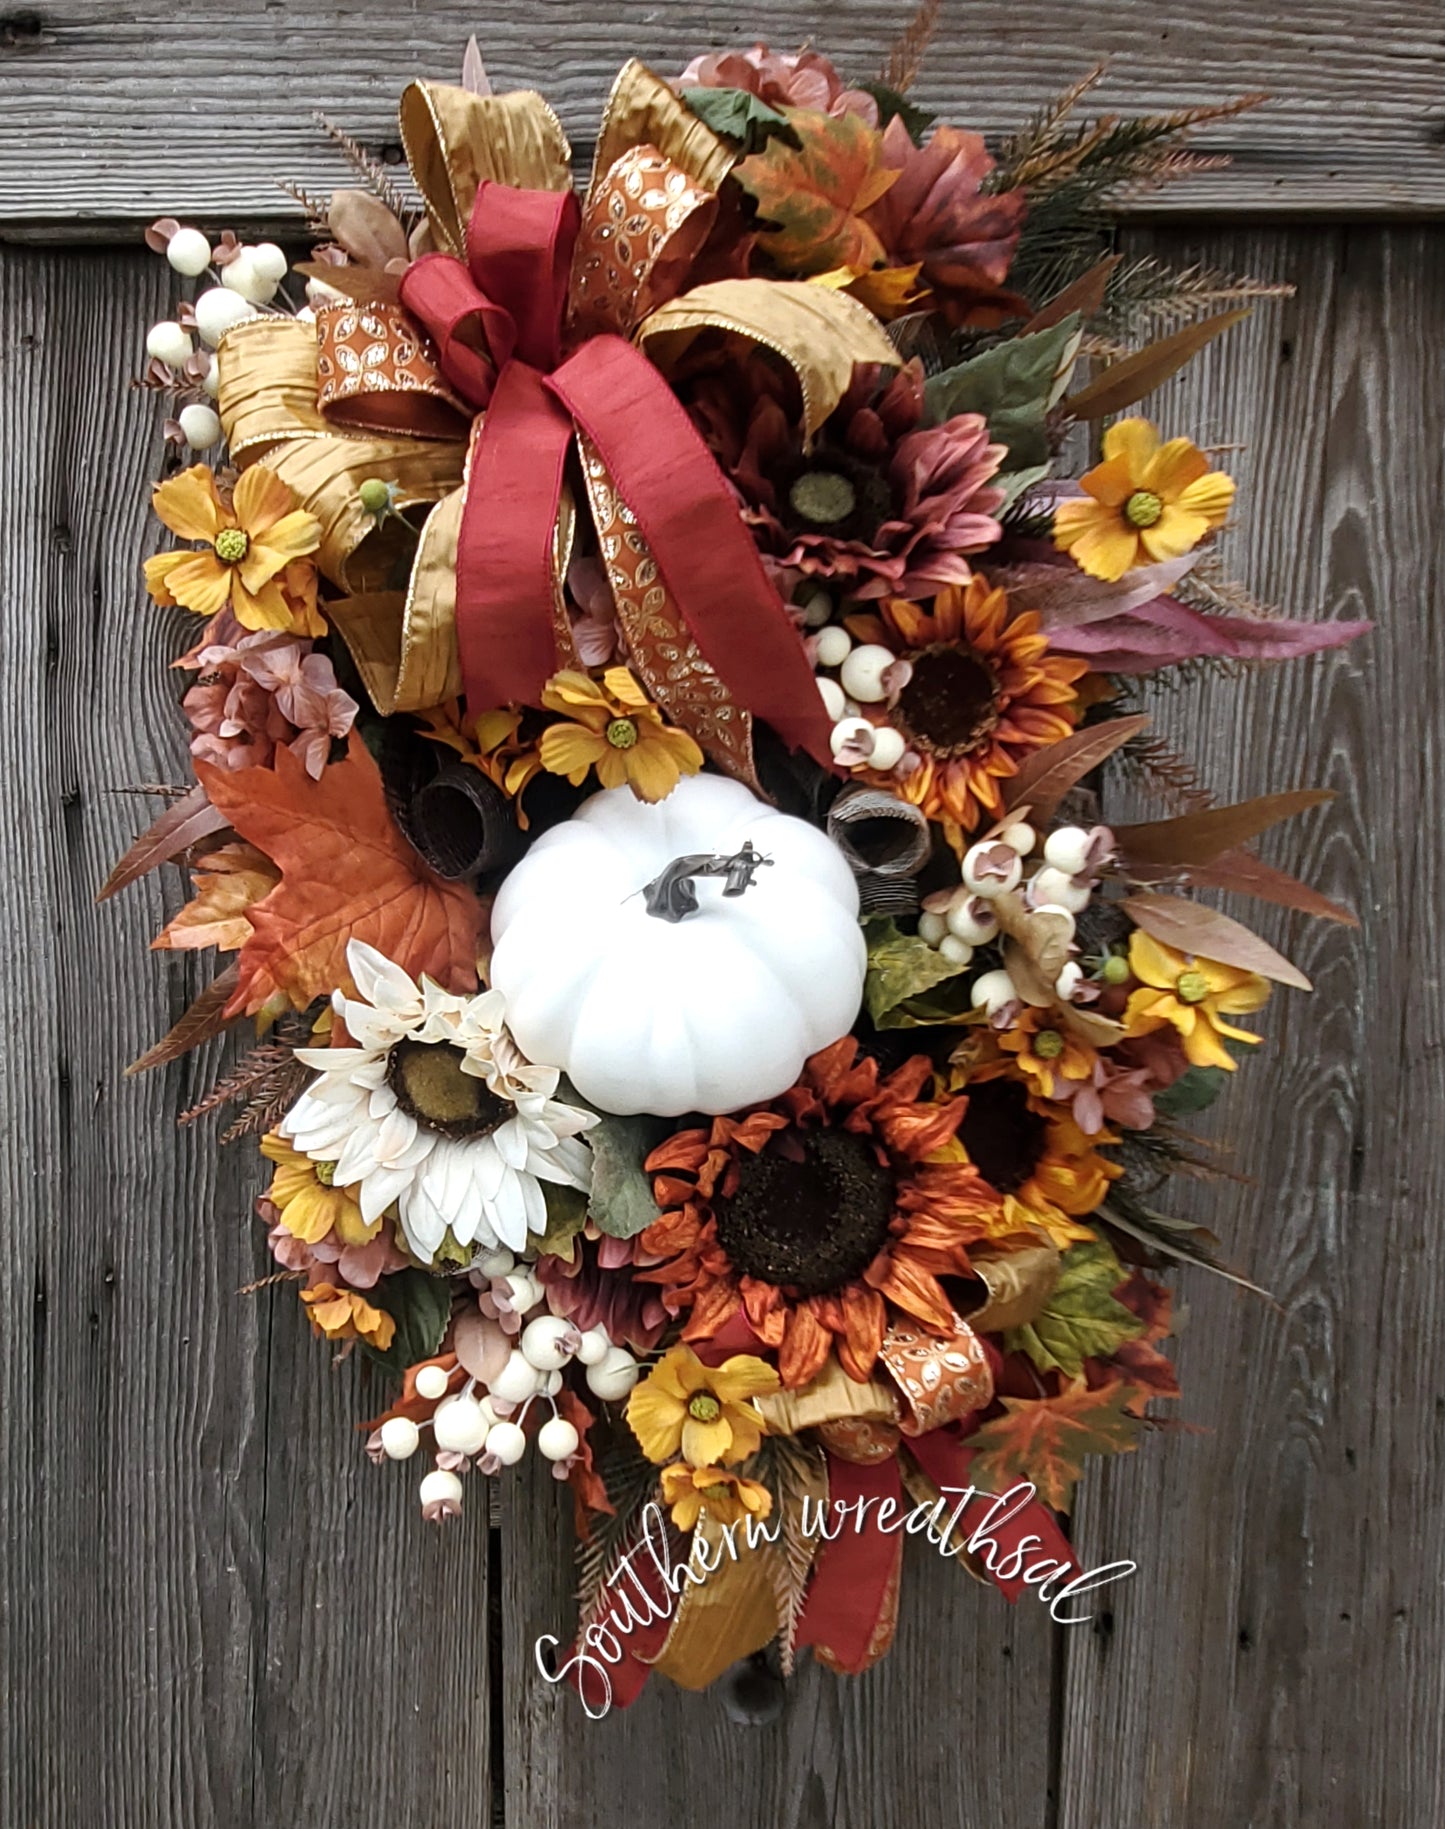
(111, 115)
(953, 1727)
(1276, 1661)
(205, 1619)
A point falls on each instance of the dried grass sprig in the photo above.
(905, 56)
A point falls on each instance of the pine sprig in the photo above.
(906, 54)
(790, 1469)
(1147, 296)
(369, 168)
(632, 1482)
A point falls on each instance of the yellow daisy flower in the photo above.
(1193, 994)
(614, 728)
(1145, 502)
(342, 1314)
(252, 556)
(727, 1496)
(701, 1411)
(311, 1208)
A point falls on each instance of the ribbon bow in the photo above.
(547, 322)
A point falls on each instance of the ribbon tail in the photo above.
(943, 1457)
(506, 580)
(687, 515)
(852, 1607)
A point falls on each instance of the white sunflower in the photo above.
(436, 1111)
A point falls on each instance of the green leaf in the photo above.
(621, 1202)
(1193, 1091)
(1081, 1319)
(745, 119)
(1015, 483)
(566, 1216)
(1013, 385)
(900, 967)
(421, 1306)
(890, 103)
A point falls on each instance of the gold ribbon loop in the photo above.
(454, 140)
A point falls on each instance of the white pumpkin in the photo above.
(708, 1012)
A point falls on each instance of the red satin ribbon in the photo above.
(855, 1571)
(497, 323)
(943, 1457)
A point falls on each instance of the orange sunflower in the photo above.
(1046, 1171)
(983, 691)
(818, 1214)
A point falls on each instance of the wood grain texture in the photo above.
(110, 115)
(214, 1611)
(1276, 1661)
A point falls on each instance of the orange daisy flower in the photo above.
(817, 1215)
(984, 691)
(253, 553)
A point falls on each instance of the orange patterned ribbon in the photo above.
(939, 1381)
(376, 370)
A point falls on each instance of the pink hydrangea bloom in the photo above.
(796, 79)
(257, 691)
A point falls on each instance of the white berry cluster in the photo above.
(863, 678)
(473, 1424)
(1056, 877)
(249, 279)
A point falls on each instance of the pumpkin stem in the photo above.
(671, 895)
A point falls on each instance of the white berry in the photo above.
(852, 731)
(959, 952)
(1067, 849)
(517, 1380)
(200, 426)
(972, 921)
(459, 1426)
(494, 1263)
(888, 748)
(932, 928)
(1059, 912)
(595, 1346)
(992, 991)
(441, 1488)
(833, 646)
(189, 252)
(545, 1342)
(211, 380)
(557, 1439)
(507, 1442)
(240, 275)
(1020, 837)
(991, 869)
(399, 1438)
(613, 1376)
(831, 693)
(269, 262)
(217, 310)
(1052, 885)
(523, 1290)
(431, 1382)
(1068, 981)
(863, 671)
(168, 343)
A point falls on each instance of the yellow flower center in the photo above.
(1048, 1044)
(704, 1408)
(1192, 987)
(715, 1492)
(1143, 508)
(231, 545)
(325, 1173)
(823, 497)
(622, 733)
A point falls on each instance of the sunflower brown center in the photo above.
(1004, 1139)
(950, 704)
(809, 1221)
(429, 1084)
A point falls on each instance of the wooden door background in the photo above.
(214, 1611)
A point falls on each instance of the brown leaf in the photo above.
(1089, 1026)
(346, 873)
(1085, 295)
(366, 228)
(365, 284)
(1247, 874)
(481, 1346)
(1036, 949)
(1124, 383)
(1190, 927)
(184, 823)
(228, 882)
(205, 1018)
(1048, 774)
(1197, 838)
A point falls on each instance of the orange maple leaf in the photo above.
(229, 883)
(811, 197)
(346, 873)
(1045, 1439)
